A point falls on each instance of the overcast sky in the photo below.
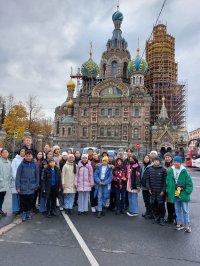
(41, 40)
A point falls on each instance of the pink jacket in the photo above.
(84, 180)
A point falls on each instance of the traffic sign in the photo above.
(137, 146)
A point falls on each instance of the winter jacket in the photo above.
(94, 164)
(15, 163)
(62, 163)
(184, 181)
(107, 180)
(156, 182)
(143, 174)
(68, 178)
(133, 175)
(5, 174)
(27, 177)
(119, 177)
(46, 180)
(84, 180)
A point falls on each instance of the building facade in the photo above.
(195, 134)
(113, 106)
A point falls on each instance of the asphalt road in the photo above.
(113, 240)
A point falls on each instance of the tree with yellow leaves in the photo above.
(16, 121)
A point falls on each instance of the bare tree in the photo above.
(34, 109)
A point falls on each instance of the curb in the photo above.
(6, 228)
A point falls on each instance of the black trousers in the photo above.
(36, 195)
(26, 202)
(51, 199)
(147, 200)
(93, 200)
(2, 196)
(171, 212)
(158, 209)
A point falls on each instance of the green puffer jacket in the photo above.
(184, 180)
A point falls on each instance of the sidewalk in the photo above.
(7, 208)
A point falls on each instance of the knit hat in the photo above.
(55, 147)
(84, 156)
(157, 158)
(168, 154)
(105, 158)
(50, 160)
(178, 159)
(153, 152)
(64, 153)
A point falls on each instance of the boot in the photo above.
(49, 214)
(67, 211)
(98, 214)
(54, 213)
(162, 221)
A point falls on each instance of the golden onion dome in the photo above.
(70, 103)
(71, 85)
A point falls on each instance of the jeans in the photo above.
(133, 202)
(69, 200)
(182, 212)
(15, 202)
(120, 198)
(43, 201)
(2, 196)
(102, 198)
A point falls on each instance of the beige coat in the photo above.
(68, 178)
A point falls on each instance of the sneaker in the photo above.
(54, 213)
(80, 213)
(188, 229)
(135, 214)
(66, 211)
(162, 222)
(49, 215)
(70, 211)
(130, 214)
(93, 209)
(61, 209)
(179, 227)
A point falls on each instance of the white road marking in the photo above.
(81, 242)
(18, 242)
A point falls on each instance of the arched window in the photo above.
(137, 112)
(109, 132)
(115, 44)
(63, 131)
(125, 71)
(69, 131)
(114, 68)
(140, 80)
(117, 112)
(133, 80)
(110, 112)
(104, 70)
(136, 133)
(101, 131)
(102, 112)
(116, 132)
(85, 112)
(84, 132)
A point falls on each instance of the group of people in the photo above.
(42, 180)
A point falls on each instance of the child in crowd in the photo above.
(84, 182)
(27, 181)
(179, 188)
(68, 183)
(156, 184)
(103, 177)
(133, 186)
(51, 185)
(5, 178)
(15, 196)
(145, 192)
(120, 183)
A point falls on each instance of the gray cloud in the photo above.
(41, 40)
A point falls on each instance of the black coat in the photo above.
(156, 182)
(46, 180)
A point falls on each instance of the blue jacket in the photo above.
(107, 180)
(27, 177)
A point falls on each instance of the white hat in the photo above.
(64, 153)
(84, 156)
(153, 152)
(55, 147)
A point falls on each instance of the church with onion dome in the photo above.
(111, 105)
